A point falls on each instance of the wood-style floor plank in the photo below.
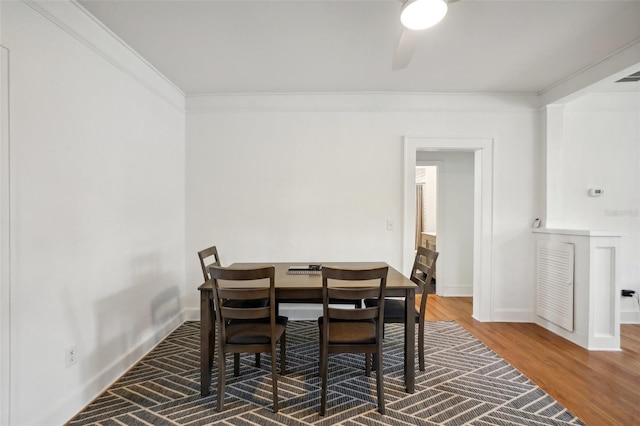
(600, 387)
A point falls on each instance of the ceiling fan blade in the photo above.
(404, 51)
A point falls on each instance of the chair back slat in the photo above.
(353, 293)
(242, 274)
(355, 274)
(252, 293)
(245, 313)
(353, 314)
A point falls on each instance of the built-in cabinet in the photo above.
(593, 285)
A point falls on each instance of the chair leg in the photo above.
(367, 362)
(212, 336)
(212, 345)
(375, 355)
(221, 380)
(236, 364)
(323, 373)
(258, 360)
(283, 354)
(421, 345)
(274, 377)
(380, 380)
(320, 346)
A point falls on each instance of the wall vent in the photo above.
(630, 78)
(555, 272)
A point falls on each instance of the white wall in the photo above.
(601, 149)
(97, 209)
(316, 177)
(455, 231)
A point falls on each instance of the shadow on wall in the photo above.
(131, 321)
(165, 306)
(127, 323)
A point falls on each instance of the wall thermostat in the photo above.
(593, 192)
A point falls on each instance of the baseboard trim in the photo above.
(629, 317)
(515, 315)
(457, 291)
(191, 314)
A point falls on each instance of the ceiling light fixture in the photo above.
(422, 14)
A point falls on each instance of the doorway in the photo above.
(427, 208)
(482, 150)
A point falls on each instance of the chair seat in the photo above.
(393, 309)
(251, 332)
(351, 332)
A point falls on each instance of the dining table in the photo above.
(307, 288)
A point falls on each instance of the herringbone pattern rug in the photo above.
(465, 383)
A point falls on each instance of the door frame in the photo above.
(482, 210)
(5, 243)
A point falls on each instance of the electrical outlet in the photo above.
(70, 356)
(390, 225)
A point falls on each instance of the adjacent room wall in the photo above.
(431, 199)
(316, 177)
(455, 231)
(601, 149)
(97, 209)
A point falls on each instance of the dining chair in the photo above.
(209, 257)
(243, 329)
(352, 330)
(421, 274)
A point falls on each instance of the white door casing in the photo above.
(482, 210)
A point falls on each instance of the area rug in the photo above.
(464, 383)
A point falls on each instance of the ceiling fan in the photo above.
(416, 15)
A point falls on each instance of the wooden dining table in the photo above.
(307, 288)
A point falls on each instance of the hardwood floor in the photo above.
(602, 388)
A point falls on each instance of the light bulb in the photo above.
(421, 14)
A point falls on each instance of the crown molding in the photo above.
(615, 66)
(360, 101)
(75, 20)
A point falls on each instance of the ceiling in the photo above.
(240, 46)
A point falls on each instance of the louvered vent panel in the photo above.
(555, 265)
